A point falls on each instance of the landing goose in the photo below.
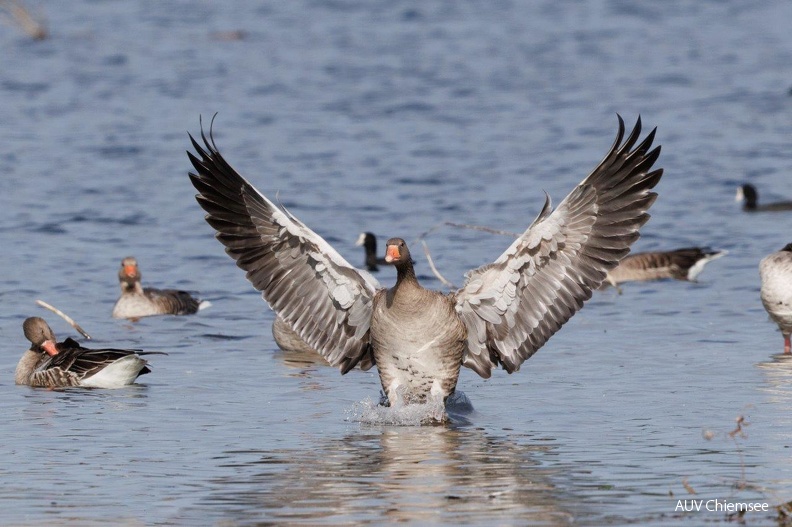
(136, 301)
(502, 315)
(681, 264)
(750, 198)
(52, 364)
(775, 272)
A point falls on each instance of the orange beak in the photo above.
(130, 270)
(50, 348)
(392, 253)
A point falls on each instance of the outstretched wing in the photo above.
(323, 298)
(514, 305)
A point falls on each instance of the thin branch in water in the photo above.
(65, 317)
(17, 15)
(687, 486)
(430, 231)
(434, 269)
(481, 228)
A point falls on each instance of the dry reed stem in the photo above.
(65, 317)
(18, 15)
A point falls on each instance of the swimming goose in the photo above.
(775, 272)
(681, 264)
(136, 301)
(51, 364)
(750, 198)
(419, 339)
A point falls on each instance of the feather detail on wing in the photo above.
(514, 305)
(312, 287)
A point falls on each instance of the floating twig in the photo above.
(481, 228)
(434, 269)
(687, 486)
(65, 317)
(17, 15)
(739, 429)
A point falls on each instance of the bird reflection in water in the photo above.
(395, 474)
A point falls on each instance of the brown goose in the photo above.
(681, 264)
(750, 198)
(775, 272)
(136, 301)
(51, 364)
(418, 338)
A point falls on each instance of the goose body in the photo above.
(425, 357)
(419, 339)
(51, 364)
(680, 264)
(750, 197)
(775, 273)
(136, 301)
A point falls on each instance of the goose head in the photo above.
(41, 337)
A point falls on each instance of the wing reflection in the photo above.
(394, 474)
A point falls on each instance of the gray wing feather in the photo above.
(514, 305)
(321, 296)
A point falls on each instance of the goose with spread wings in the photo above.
(505, 311)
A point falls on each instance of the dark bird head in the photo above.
(748, 195)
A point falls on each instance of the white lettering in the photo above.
(717, 505)
(688, 505)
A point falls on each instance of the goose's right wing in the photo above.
(312, 287)
(512, 306)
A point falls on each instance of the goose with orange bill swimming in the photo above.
(51, 364)
(136, 301)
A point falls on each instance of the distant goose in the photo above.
(750, 198)
(775, 272)
(369, 243)
(51, 364)
(418, 338)
(136, 301)
(681, 264)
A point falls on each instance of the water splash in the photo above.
(431, 412)
(417, 414)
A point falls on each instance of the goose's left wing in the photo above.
(514, 305)
(325, 300)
